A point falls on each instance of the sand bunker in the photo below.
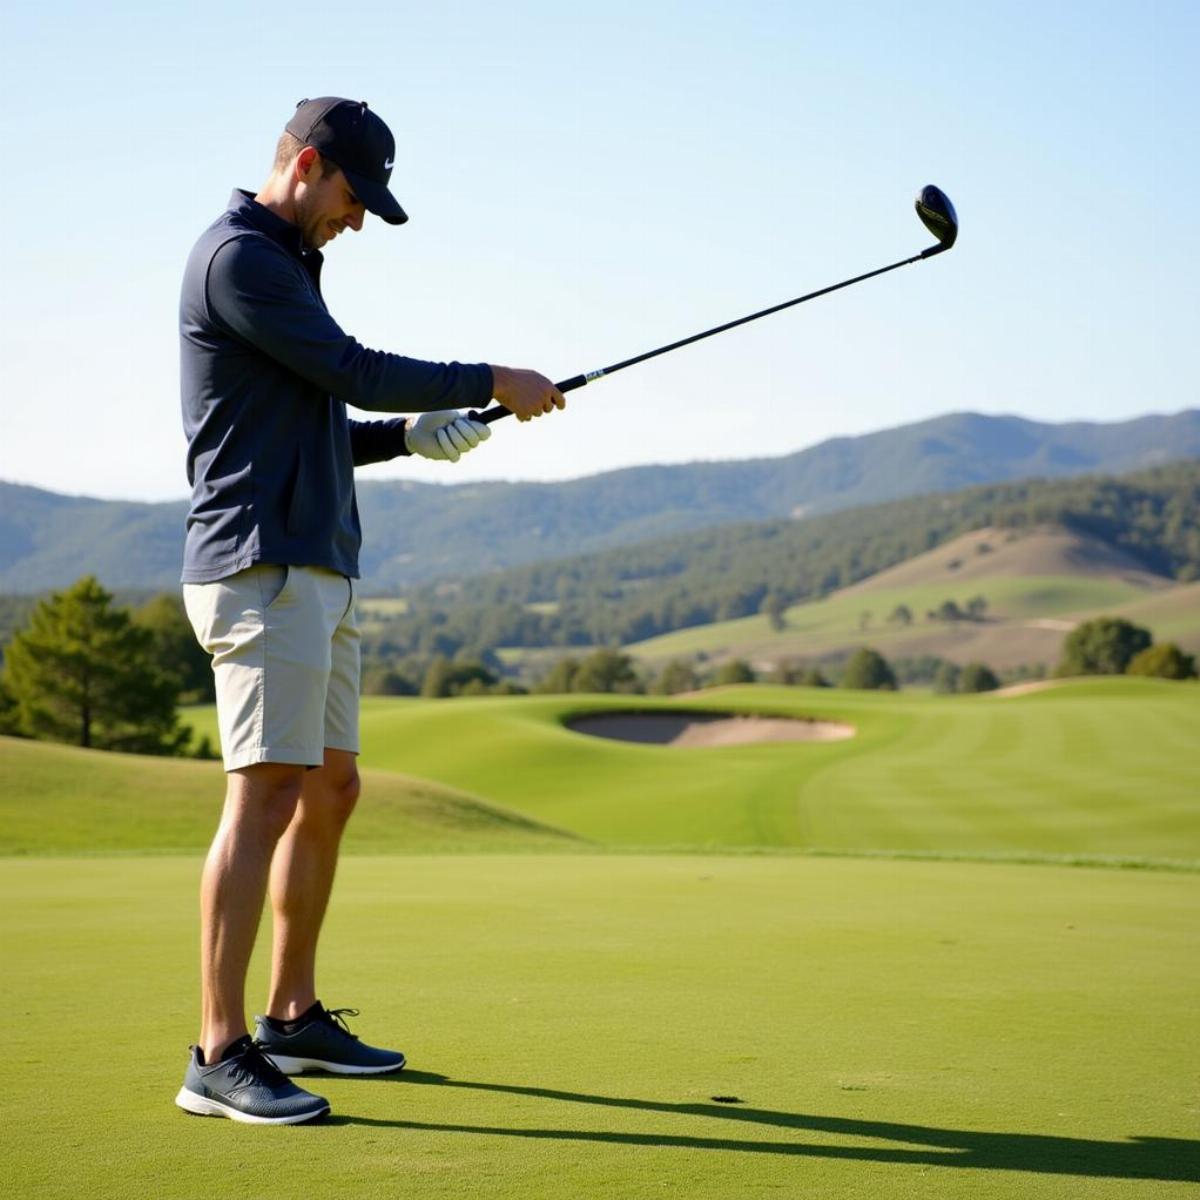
(705, 729)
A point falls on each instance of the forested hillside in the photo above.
(637, 592)
(415, 533)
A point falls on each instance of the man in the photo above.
(269, 568)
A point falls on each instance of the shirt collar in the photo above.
(275, 227)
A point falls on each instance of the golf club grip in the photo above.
(494, 414)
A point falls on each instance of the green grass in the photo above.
(1102, 768)
(63, 800)
(1105, 768)
(890, 1029)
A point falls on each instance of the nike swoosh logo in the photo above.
(388, 164)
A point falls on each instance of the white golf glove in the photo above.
(446, 435)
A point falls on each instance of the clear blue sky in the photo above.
(586, 181)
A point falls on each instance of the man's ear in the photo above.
(305, 160)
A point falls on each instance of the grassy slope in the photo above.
(1102, 768)
(835, 624)
(63, 800)
(1046, 577)
(1105, 768)
(985, 554)
(1172, 616)
(941, 1030)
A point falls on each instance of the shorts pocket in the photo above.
(271, 582)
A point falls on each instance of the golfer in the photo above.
(270, 570)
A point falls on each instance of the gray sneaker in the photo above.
(248, 1087)
(324, 1043)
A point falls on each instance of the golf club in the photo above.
(936, 213)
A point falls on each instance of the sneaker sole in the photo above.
(203, 1106)
(295, 1066)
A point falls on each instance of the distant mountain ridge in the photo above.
(416, 532)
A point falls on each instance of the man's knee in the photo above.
(343, 797)
(331, 792)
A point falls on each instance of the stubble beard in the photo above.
(308, 222)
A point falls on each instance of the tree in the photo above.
(948, 610)
(864, 620)
(468, 678)
(10, 722)
(773, 607)
(83, 672)
(900, 615)
(977, 677)
(813, 678)
(1102, 646)
(606, 671)
(946, 678)
(383, 680)
(1164, 661)
(868, 669)
(677, 676)
(560, 678)
(736, 670)
(436, 682)
(176, 647)
(976, 608)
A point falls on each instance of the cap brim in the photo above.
(377, 198)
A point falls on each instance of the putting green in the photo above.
(888, 1028)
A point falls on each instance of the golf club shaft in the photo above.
(578, 381)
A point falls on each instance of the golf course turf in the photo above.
(585, 1021)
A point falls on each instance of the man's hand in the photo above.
(525, 393)
(444, 435)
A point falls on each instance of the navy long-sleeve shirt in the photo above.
(266, 374)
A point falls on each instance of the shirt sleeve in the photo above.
(265, 299)
(377, 441)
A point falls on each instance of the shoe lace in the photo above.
(255, 1065)
(337, 1016)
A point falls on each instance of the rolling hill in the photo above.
(1037, 585)
(985, 554)
(420, 532)
(1100, 540)
(1101, 767)
(1097, 768)
(64, 800)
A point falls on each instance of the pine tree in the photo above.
(176, 647)
(83, 672)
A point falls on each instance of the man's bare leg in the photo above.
(260, 801)
(302, 874)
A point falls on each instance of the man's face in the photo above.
(325, 205)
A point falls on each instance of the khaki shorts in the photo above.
(285, 647)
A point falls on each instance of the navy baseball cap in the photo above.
(349, 134)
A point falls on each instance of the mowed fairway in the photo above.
(1106, 768)
(586, 1022)
(878, 1028)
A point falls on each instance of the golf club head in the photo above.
(938, 216)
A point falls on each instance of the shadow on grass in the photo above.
(1168, 1159)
